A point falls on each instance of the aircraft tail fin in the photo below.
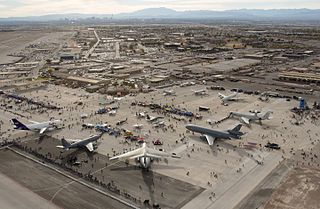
(18, 125)
(236, 130)
(65, 143)
(267, 115)
(221, 96)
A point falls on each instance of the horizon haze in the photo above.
(19, 8)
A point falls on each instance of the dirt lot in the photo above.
(299, 190)
(11, 42)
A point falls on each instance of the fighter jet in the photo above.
(36, 126)
(79, 143)
(169, 93)
(120, 122)
(225, 99)
(200, 92)
(143, 155)
(154, 118)
(248, 117)
(211, 134)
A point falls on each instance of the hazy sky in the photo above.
(10, 8)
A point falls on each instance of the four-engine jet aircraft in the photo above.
(36, 126)
(212, 134)
(248, 117)
(79, 143)
(143, 155)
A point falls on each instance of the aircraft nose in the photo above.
(189, 127)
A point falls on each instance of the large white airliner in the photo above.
(143, 155)
(40, 127)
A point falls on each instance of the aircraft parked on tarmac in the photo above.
(248, 117)
(40, 127)
(169, 93)
(79, 143)
(211, 134)
(143, 155)
(225, 99)
(200, 92)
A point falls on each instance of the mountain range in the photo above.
(165, 13)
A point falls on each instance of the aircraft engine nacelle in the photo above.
(51, 128)
(145, 162)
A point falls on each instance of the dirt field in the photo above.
(301, 189)
(14, 41)
(11, 42)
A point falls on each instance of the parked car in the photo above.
(272, 146)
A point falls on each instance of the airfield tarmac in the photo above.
(11, 42)
(14, 195)
(220, 169)
(140, 184)
(57, 189)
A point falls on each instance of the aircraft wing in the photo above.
(210, 139)
(43, 130)
(136, 156)
(245, 120)
(154, 156)
(132, 154)
(155, 153)
(89, 146)
(35, 122)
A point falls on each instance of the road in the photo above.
(263, 191)
(94, 46)
(15, 196)
(230, 193)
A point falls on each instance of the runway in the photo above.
(38, 186)
(15, 196)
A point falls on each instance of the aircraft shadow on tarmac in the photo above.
(130, 167)
(46, 136)
(70, 155)
(148, 179)
(218, 144)
(240, 150)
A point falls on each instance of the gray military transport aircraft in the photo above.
(79, 143)
(211, 134)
